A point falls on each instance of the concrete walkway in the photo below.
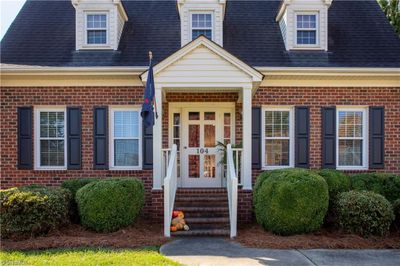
(219, 251)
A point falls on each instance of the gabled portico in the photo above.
(204, 66)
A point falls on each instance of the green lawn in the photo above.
(85, 256)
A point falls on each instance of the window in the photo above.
(50, 144)
(278, 137)
(351, 138)
(96, 28)
(177, 139)
(202, 25)
(125, 150)
(306, 29)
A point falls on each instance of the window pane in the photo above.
(209, 166)
(209, 116)
(350, 152)
(209, 135)
(277, 152)
(176, 132)
(126, 124)
(277, 124)
(306, 37)
(52, 152)
(194, 136)
(194, 166)
(177, 118)
(306, 21)
(96, 21)
(194, 116)
(350, 124)
(227, 118)
(96, 36)
(126, 152)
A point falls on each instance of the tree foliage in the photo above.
(391, 8)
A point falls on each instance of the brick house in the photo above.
(312, 84)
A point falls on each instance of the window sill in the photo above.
(51, 168)
(351, 168)
(311, 48)
(96, 47)
(266, 168)
(120, 168)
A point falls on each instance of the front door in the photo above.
(201, 159)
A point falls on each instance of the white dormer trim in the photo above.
(287, 19)
(116, 18)
(188, 7)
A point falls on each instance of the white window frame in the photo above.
(317, 33)
(106, 29)
(364, 137)
(290, 109)
(191, 13)
(111, 142)
(38, 110)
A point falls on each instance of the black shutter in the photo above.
(74, 132)
(256, 138)
(328, 137)
(302, 139)
(25, 142)
(376, 137)
(147, 147)
(100, 138)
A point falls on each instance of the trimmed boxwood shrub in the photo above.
(388, 185)
(292, 201)
(73, 186)
(396, 210)
(364, 213)
(260, 180)
(32, 210)
(109, 205)
(337, 182)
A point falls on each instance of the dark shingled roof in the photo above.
(43, 34)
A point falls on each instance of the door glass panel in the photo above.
(194, 135)
(194, 116)
(194, 166)
(209, 166)
(209, 116)
(209, 135)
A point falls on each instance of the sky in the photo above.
(8, 11)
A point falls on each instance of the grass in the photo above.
(85, 256)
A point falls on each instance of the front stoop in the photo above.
(206, 211)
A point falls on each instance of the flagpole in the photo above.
(154, 98)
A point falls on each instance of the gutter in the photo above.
(268, 71)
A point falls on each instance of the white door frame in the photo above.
(184, 107)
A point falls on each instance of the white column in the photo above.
(157, 143)
(246, 129)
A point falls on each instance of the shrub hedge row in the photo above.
(32, 210)
(388, 185)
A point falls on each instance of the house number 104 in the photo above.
(202, 150)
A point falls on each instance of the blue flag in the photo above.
(149, 100)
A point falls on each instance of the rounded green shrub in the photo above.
(364, 213)
(109, 205)
(388, 185)
(292, 201)
(73, 185)
(32, 210)
(260, 180)
(396, 210)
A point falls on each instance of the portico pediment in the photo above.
(204, 64)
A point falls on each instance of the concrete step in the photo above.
(207, 220)
(202, 232)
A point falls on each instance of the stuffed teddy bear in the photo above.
(178, 222)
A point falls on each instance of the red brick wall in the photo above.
(316, 98)
(87, 98)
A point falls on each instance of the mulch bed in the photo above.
(255, 236)
(139, 235)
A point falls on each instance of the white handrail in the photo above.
(170, 186)
(232, 187)
(238, 159)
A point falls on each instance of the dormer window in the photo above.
(99, 24)
(202, 25)
(96, 28)
(306, 29)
